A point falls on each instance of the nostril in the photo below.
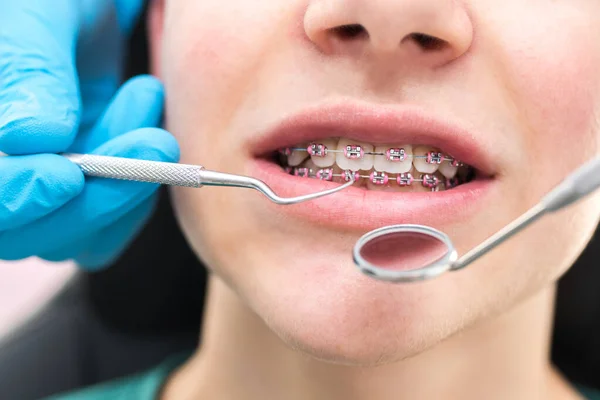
(427, 42)
(348, 32)
(356, 31)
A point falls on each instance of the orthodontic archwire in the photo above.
(379, 178)
(371, 153)
(356, 152)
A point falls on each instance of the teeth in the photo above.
(358, 181)
(448, 169)
(391, 169)
(379, 181)
(430, 181)
(306, 169)
(328, 159)
(379, 178)
(382, 163)
(360, 163)
(325, 174)
(301, 172)
(297, 157)
(312, 167)
(421, 163)
(349, 174)
(405, 179)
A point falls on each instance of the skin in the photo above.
(523, 76)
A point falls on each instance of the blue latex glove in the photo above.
(47, 208)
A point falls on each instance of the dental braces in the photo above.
(356, 152)
(376, 177)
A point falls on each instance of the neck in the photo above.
(240, 358)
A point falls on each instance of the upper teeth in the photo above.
(296, 157)
(359, 156)
(354, 155)
(395, 154)
(321, 153)
(397, 160)
(426, 162)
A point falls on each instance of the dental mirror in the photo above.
(409, 253)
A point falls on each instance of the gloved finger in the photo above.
(34, 186)
(105, 27)
(139, 103)
(102, 248)
(39, 101)
(102, 202)
(113, 240)
(127, 11)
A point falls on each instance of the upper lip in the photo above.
(377, 125)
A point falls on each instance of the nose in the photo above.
(434, 32)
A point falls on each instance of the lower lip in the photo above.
(358, 209)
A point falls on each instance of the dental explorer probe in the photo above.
(174, 174)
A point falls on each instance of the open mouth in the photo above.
(396, 168)
(408, 166)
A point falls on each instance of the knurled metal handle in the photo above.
(138, 170)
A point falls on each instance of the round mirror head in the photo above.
(404, 253)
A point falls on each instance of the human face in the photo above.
(516, 86)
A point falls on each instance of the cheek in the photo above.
(205, 80)
(213, 54)
(553, 76)
(562, 107)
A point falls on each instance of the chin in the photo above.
(318, 302)
(331, 312)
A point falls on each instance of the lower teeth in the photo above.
(375, 179)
